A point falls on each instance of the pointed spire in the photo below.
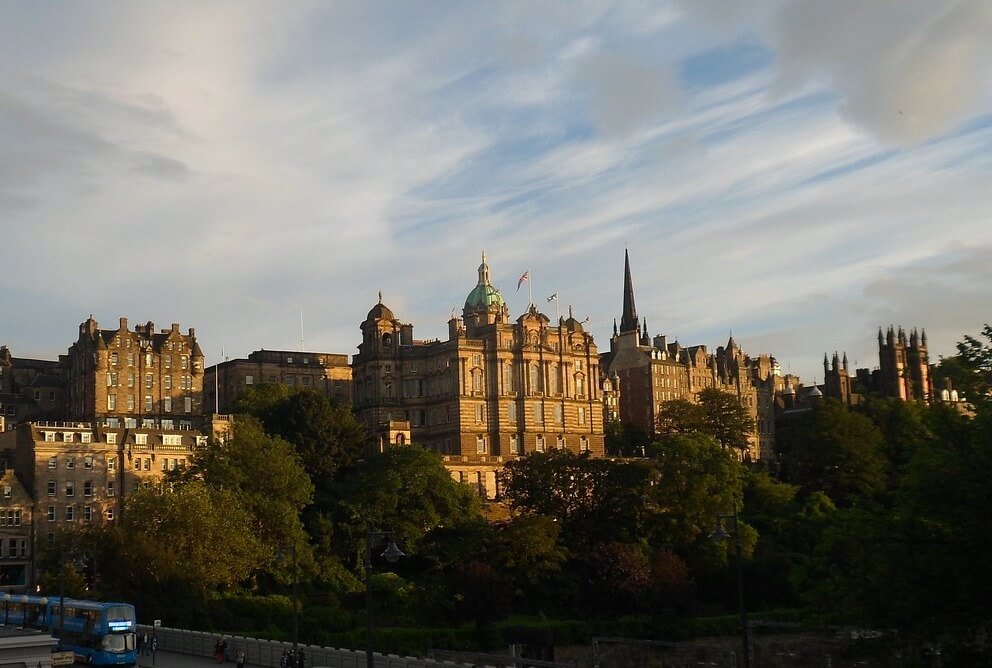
(923, 337)
(380, 296)
(614, 326)
(628, 322)
(826, 364)
(881, 338)
(484, 271)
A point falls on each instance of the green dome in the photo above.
(483, 295)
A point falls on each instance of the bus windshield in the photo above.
(120, 613)
(118, 642)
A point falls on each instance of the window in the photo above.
(561, 442)
(141, 439)
(51, 513)
(148, 464)
(539, 413)
(189, 404)
(580, 386)
(7, 491)
(87, 513)
(149, 381)
(480, 445)
(51, 488)
(110, 514)
(111, 402)
(539, 443)
(49, 436)
(559, 414)
(387, 389)
(109, 383)
(111, 463)
(111, 438)
(512, 413)
(306, 381)
(167, 405)
(53, 462)
(88, 488)
(165, 463)
(477, 381)
(70, 462)
(69, 513)
(249, 380)
(113, 359)
(17, 518)
(130, 402)
(130, 359)
(184, 361)
(24, 548)
(111, 488)
(167, 361)
(148, 403)
(515, 444)
(167, 382)
(86, 437)
(130, 380)
(172, 439)
(479, 413)
(149, 361)
(70, 488)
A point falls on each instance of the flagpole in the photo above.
(530, 288)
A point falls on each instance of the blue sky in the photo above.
(799, 173)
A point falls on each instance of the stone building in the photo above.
(139, 377)
(30, 388)
(79, 472)
(329, 373)
(492, 391)
(653, 371)
(16, 507)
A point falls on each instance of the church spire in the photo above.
(628, 322)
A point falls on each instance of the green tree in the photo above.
(193, 533)
(265, 473)
(838, 452)
(595, 500)
(698, 480)
(970, 371)
(718, 414)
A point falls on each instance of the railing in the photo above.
(266, 653)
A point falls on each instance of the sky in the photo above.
(796, 173)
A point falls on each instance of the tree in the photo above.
(970, 371)
(327, 438)
(196, 534)
(266, 474)
(838, 452)
(698, 479)
(595, 500)
(718, 414)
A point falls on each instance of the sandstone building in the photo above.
(492, 391)
(329, 373)
(650, 372)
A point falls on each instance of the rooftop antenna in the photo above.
(302, 347)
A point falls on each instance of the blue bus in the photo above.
(99, 634)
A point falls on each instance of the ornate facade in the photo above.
(135, 377)
(653, 371)
(494, 390)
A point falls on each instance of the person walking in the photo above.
(241, 659)
(301, 662)
(284, 660)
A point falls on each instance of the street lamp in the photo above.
(391, 554)
(720, 534)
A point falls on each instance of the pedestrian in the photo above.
(219, 651)
(284, 660)
(302, 661)
(241, 659)
(141, 644)
(145, 649)
(223, 648)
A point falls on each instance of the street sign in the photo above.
(63, 658)
(158, 623)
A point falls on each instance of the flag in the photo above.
(524, 277)
(553, 297)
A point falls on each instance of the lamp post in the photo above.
(720, 534)
(391, 554)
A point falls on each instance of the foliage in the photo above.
(718, 414)
(265, 473)
(624, 439)
(838, 452)
(595, 500)
(697, 481)
(327, 438)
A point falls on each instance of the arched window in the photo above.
(387, 340)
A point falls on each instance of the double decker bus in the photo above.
(97, 633)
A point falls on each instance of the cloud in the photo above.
(907, 70)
